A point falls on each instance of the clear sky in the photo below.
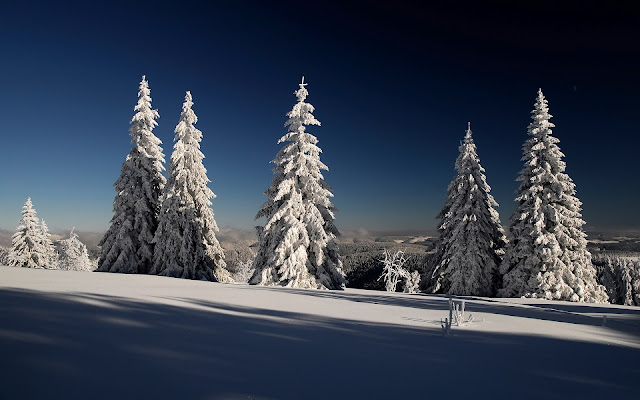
(393, 83)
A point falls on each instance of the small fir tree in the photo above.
(4, 255)
(51, 256)
(186, 244)
(607, 275)
(547, 254)
(620, 278)
(297, 246)
(635, 279)
(127, 247)
(626, 274)
(471, 243)
(243, 271)
(73, 254)
(28, 247)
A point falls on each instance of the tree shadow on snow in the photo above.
(78, 346)
(591, 308)
(624, 320)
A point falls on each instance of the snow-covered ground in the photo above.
(82, 335)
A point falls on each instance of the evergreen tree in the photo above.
(626, 275)
(471, 243)
(186, 244)
(297, 246)
(547, 254)
(28, 248)
(635, 282)
(607, 275)
(620, 278)
(51, 256)
(4, 255)
(73, 254)
(127, 247)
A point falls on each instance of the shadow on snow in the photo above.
(589, 314)
(93, 346)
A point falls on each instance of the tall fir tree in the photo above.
(186, 244)
(547, 254)
(297, 246)
(127, 247)
(73, 254)
(29, 246)
(471, 243)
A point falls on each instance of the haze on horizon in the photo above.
(393, 85)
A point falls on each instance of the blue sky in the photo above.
(394, 85)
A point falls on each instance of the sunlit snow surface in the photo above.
(79, 335)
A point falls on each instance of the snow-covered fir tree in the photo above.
(51, 255)
(29, 248)
(186, 244)
(243, 271)
(73, 254)
(4, 255)
(627, 275)
(607, 275)
(621, 279)
(547, 254)
(127, 247)
(635, 281)
(471, 243)
(297, 246)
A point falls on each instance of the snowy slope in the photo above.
(78, 335)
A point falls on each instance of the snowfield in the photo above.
(82, 335)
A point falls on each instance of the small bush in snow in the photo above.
(412, 282)
(456, 317)
(393, 269)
